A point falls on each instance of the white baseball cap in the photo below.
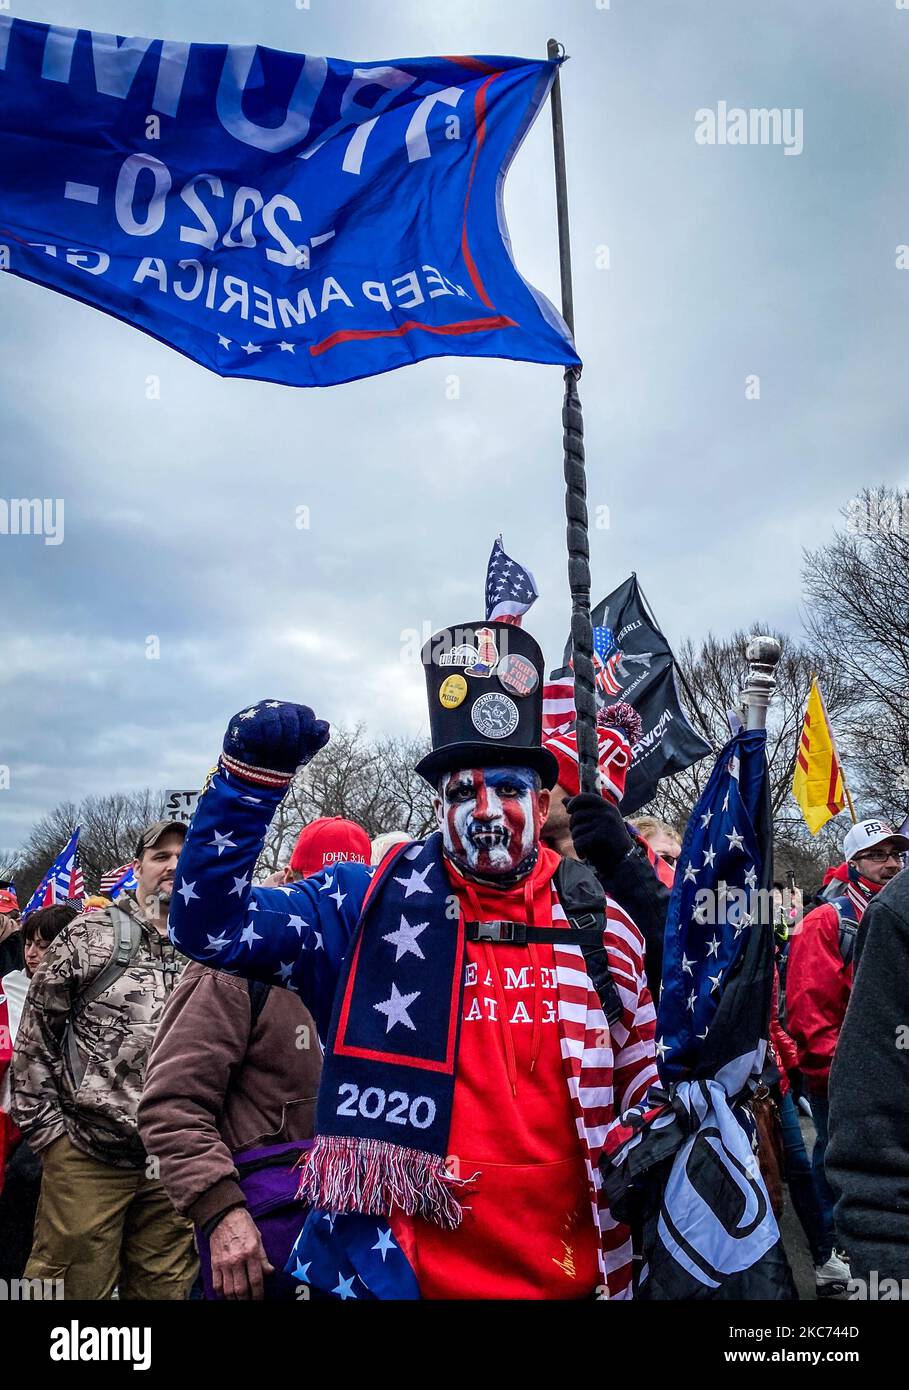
(870, 832)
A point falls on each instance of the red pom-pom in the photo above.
(624, 717)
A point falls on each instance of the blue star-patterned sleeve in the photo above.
(296, 936)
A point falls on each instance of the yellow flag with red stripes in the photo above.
(818, 786)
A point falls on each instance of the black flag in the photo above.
(633, 662)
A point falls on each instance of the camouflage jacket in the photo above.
(113, 1033)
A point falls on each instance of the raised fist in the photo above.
(269, 741)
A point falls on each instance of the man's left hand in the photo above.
(598, 831)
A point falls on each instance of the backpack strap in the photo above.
(258, 995)
(584, 902)
(517, 934)
(127, 939)
(848, 927)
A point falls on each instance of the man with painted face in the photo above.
(482, 1003)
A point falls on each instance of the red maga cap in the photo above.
(618, 728)
(328, 841)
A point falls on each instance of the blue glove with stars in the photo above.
(266, 743)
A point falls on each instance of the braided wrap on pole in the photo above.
(579, 582)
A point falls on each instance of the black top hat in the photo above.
(484, 682)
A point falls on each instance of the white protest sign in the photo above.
(179, 806)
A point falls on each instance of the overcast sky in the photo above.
(723, 262)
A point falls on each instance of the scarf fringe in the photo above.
(345, 1174)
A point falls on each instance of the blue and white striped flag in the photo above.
(63, 881)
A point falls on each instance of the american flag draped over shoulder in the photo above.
(63, 882)
(510, 588)
(685, 1155)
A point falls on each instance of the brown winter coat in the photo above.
(212, 1088)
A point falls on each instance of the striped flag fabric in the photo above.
(510, 588)
(63, 882)
(117, 881)
(558, 695)
(559, 713)
(818, 784)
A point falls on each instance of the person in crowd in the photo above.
(819, 981)
(383, 843)
(10, 939)
(104, 1221)
(472, 1066)
(324, 843)
(40, 928)
(230, 1088)
(868, 1154)
(798, 1170)
(314, 846)
(20, 1167)
(788, 910)
(661, 838)
(629, 870)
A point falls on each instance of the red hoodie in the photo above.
(818, 982)
(528, 1229)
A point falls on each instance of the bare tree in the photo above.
(858, 593)
(10, 864)
(109, 826)
(715, 670)
(368, 781)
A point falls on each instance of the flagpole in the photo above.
(762, 654)
(585, 702)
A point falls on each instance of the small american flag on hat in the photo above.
(510, 588)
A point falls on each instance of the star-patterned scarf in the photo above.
(385, 1100)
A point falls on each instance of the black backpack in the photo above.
(126, 945)
(848, 926)
(258, 993)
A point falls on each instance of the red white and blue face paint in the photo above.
(490, 819)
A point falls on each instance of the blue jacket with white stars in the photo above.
(295, 936)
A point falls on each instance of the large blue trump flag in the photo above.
(272, 215)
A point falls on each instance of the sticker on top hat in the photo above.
(518, 675)
(453, 692)
(487, 653)
(494, 715)
(463, 655)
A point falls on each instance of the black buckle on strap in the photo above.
(584, 921)
(508, 933)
